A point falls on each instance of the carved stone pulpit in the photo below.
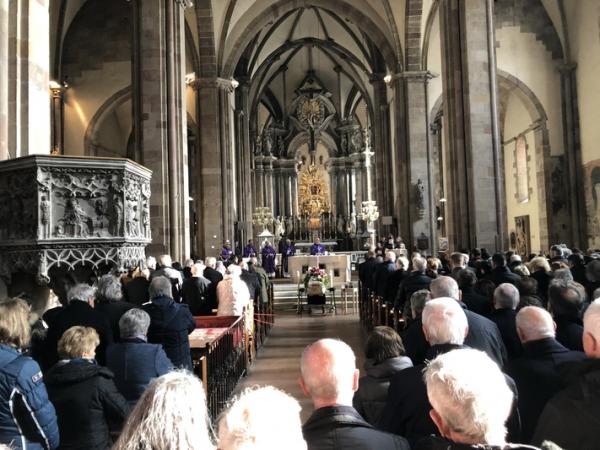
(58, 213)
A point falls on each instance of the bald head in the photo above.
(444, 322)
(591, 330)
(534, 323)
(506, 296)
(329, 374)
(444, 287)
(419, 264)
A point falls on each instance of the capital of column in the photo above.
(229, 85)
(419, 75)
(185, 3)
(567, 68)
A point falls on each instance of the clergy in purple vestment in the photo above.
(250, 250)
(226, 252)
(268, 259)
(317, 248)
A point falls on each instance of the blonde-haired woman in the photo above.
(539, 267)
(27, 418)
(84, 393)
(171, 414)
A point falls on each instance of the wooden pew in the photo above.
(219, 355)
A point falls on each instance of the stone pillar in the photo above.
(4, 79)
(382, 185)
(259, 181)
(215, 223)
(244, 153)
(417, 211)
(469, 81)
(160, 119)
(575, 188)
(24, 78)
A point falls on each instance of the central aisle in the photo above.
(278, 361)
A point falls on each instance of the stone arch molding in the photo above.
(270, 14)
(91, 132)
(302, 138)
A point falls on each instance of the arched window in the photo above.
(522, 173)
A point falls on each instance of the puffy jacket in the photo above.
(87, 401)
(135, 364)
(27, 418)
(371, 397)
(170, 325)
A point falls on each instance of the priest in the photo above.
(317, 248)
(250, 250)
(226, 252)
(268, 259)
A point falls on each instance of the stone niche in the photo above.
(61, 216)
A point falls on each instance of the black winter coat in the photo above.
(135, 363)
(414, 341)
(194, 294)
(170, 325)
(215, 277)
(569, 332)
(477, 303)
(415, 281)
(113, 312)
(538, 379)
(501, 275)
(371, 397)
(341, 427)
(393, 283)
(86, 401)
(365, 272)
(381, 275)
(506, 320)
(136, 291)
(571, 419)
(485, 336)
(406, 412)
(82, 314)
(543, 278)
(437, 443)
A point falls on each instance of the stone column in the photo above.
(259, 181)
(575, 188)
(469, 81)
(24, 78)
(417, 211)
(244, 153)
(383, 162)
(215, 223)
(160, 120)
(4, 79)
(57, 115)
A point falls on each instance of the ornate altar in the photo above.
(313, 197)
(58, 213)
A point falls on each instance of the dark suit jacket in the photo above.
(82, 314)
(341, 427)
(381, 275)
(506, 320)
(537, 377)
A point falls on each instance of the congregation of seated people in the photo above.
(490, 352)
